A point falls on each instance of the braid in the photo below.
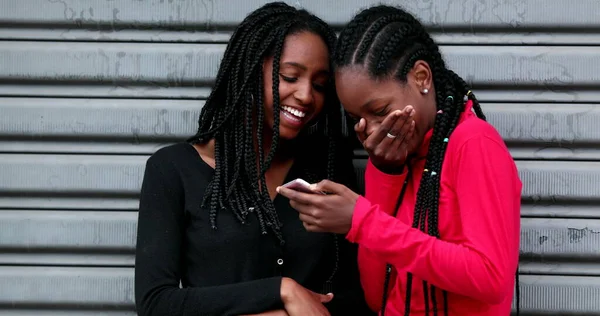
(388, 41)
(233, 116)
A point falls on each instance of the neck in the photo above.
(283, 151)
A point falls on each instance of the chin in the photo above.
(288, 134)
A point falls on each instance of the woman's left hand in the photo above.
(324, 213)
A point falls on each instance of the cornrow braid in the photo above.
(388, 41)
(234, 116)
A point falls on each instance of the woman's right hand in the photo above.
(298, 300)
(388, 144)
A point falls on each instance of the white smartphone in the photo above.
(301, 185)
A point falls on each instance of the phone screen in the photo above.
(300, 185)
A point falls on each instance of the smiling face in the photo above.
(371, 99)
(303, 76)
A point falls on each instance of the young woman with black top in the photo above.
(210, 216)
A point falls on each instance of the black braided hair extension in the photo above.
(233, 116)
(388, 41)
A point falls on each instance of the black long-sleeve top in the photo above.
(232, 270)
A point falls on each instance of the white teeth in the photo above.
(294, 111)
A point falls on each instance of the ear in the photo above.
(422, 76)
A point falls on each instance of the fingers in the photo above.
(313, 228)
(404, 134)
(328, 187)
(403, 125)
(308, 220)
(361, 130)
(311, 223)
(378, 136)
(324, 298)
(293, 195)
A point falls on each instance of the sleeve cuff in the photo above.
(379, 176)
(275, 288)
(361, 209)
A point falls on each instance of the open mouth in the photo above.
(293, 114)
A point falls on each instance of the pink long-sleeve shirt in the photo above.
(476, 257)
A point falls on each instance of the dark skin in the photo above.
(304, 72)
(404, 110)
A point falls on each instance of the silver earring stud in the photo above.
(425, 91)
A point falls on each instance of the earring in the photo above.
(425, 91)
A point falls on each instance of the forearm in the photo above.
(233, 299)
(452, 267)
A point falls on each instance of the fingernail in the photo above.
(277, 190)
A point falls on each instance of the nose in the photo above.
(371, 127)
(304, 93)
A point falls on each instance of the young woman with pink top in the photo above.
(438, 227)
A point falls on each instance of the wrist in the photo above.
(391, 170)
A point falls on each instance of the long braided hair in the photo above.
(388, 41)
(233, 116)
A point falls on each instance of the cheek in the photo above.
(424, 121)
(285, 91)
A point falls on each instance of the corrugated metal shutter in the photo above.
(89, 89)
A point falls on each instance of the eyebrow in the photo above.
(295, 64)
(298, 65)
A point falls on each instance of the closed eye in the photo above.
(383, 111)
(288, 79)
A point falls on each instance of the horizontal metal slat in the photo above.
(558, 210)
(95, 176)
(84, 259)
(211, 14)
(502, 94)
(111, 63)
(112, 120)
(559, 182)
(95, 91)
(68, 231)
(108, 238)
(185, 64)
(560, 240)
(112, 289)
(68, 288)
(535, 130)
(559, 295)
(557, 124)
(546, 181)
(571, 268)
(85, 175)
(441, 36)
(68, 202)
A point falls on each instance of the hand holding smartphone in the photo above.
(301, 186)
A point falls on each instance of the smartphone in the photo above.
(301, 185)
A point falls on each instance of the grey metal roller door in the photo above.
(88, 90)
